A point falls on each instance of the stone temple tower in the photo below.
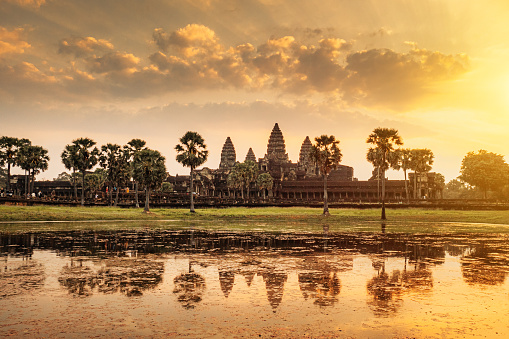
(276, 149)
(250, 155)
(228, 156)
(305, 162)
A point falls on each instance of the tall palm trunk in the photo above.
(83, 189)
(383, 195)
(116, 196)
(191, 191)
(325, 197)
(406, 187)
(147, 200)
(26, 183)
(8, 187)
(136, 194)
(74, 184)
(415, 184)
(110, 195)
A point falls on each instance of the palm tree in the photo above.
(9, 148)
(327, 156)
(404, 157)
(421, 161)
(150, 171)
(264, 182)
(134, 146)
(383, 154)
(70, 161)
(191, 152)
(114, 160)
(84, 158)
(33, 159)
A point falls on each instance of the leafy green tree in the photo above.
(326, 154)
(95, 181)
(191, 152)
(150, 171)
(114, 159)
(64, 176)
(133, 147)
(485, 170)
(9, 148)
(3, 177)
(421, 160)
(83, 158)
(167, 187)
(244, 174)
(264, 182)
(233, 181)
(34, 160)
(456, 189)
(383, 155)
(69, 158)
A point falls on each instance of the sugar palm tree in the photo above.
(114, 159)
(383, 154)
(404, 162)
(9, 148)
(150, 171)
(69, 159)
(84, 158)
(34, 160)
(191, 152)
(134, 146)
(421, 161)
(326, 155)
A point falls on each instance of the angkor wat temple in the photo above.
(299, 181)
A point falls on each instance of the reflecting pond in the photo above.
(210, 283)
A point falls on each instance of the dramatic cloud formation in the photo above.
(193, 58)
(11, 41)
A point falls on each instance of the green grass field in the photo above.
(240, 218)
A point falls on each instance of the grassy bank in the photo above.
(272, 218)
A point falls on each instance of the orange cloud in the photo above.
(113, 62)
(382, 77)
(84, 46)
(12, 42)
(28, 3)
(193, 58)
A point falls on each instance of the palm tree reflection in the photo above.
(484, 265)
(127, 276)
(387, 289)
(324, 287)
(189, 288)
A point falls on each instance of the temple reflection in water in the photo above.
(133, 263)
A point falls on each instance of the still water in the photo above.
(196, 283)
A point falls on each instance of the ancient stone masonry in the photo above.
(306, 164)
(250, 155)
(228, 156)
(276, 149)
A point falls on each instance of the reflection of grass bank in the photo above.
(271, 219)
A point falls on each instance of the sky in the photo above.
(435, 70)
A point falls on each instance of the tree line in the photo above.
(118, 165)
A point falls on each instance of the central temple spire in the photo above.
(276, 149)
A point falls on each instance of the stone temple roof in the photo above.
(276, 148)
(305, 150)
(250, 155)
(228, 156)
